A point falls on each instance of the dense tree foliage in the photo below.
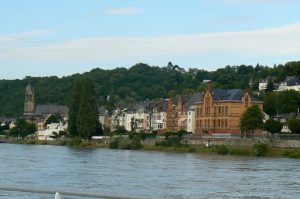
(273, 126)
(22, 129)
(251, 120)
(83, 111)
(294, 125)
(140, 82)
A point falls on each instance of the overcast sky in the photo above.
(43, 38)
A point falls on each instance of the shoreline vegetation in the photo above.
(260, 149)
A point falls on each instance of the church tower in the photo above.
(29, 105)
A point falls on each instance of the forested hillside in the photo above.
(140, 82)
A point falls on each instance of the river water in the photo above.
(147, 174)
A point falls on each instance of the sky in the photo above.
(63, 37)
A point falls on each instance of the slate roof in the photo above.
(231, 94)
(51, 109)
(196, 97)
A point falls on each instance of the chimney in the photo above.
(208, 85)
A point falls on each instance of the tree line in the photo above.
(139, 82)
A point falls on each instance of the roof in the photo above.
(196, 97)
(231, 94)
(102, 110)
(51, 109)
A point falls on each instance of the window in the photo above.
(160, 126)
(246, 102)
(226, 110)
(219, 111)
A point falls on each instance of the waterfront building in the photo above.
(219, 112)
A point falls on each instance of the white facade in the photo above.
(50, 130)
(191, 119)
(159, 121)
(284, 87)
(139, 120)
(262, 85)
(118, 119)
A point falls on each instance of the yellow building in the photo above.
(220, 110)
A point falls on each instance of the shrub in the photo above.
(76, 141)
(31, 142)
(260, 149)
(239, 151)
(222, 150)
(292, 153)
(191, 149)
(136, 143)
(114, 144)
(125, 144)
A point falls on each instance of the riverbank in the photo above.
(221, 150)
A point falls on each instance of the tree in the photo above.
(251, 119)
(53, 119)
(87, 116)
(99, 129)
(270, 101)
(294, 125)
(270, 86)
(73, 109)
(288, 101)
(273, 126)
(22, 129)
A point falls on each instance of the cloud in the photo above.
(25, 36)
(123, 11)
(272, 42)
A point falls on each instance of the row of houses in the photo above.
(214, 111)
(290, 83)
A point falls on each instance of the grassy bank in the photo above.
(258, 149)
(228, 150)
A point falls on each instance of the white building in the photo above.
(138, 120)
(191, 119)
(50, 131)
(159, 121)
(263, 85)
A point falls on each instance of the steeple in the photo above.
(29, 104)
(251, 82)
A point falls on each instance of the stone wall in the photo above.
(237, 142)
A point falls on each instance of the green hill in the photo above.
(139, 82)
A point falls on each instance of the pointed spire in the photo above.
(29, 87)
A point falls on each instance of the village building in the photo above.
(39, 113)
(177, 111)
(220, 111)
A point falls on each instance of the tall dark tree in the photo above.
(273, 126)
(294, 125)
(270, 86)
(270, 102)
(288, 101)
(251, 120)
(88, 113)
(74, 108)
